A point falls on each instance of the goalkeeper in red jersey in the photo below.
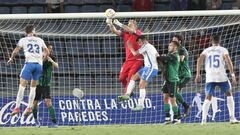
(129, 34)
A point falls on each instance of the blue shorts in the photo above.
(147, 73)
(31, 71)
(224, 87)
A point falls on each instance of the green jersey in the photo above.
(45, 79)
(184, 70)
(171, 66)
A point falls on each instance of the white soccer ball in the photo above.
(110, 13)
(78, 93)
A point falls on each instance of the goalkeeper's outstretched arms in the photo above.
(112, 27)
(131, 29)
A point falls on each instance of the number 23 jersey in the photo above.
(33, 49)
(215, 64)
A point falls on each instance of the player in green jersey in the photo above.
(184, 74)
(170, 64)
(43, 88)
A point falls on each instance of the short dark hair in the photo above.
(29, 29)
(142, 37)
(176, 43)
(179, 37)
(49, 44)
(216, 38)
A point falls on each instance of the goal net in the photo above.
(90, 58)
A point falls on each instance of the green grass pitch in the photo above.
(150, 129)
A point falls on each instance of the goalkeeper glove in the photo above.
(117, 23)
(109, 21)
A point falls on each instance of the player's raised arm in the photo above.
(112, 27)
(230, 68)
(14, 53)
(199, 64)
(54, 63)
(131, 29)
(181, 55)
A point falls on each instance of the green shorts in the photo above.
(170, 88)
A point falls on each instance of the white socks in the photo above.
(205, 109)
(142, 92)
(231, 106)
(31, 97)
(20, 96)
(130, 87)
(142, 96)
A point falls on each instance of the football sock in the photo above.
(231, 107)
(52, 114)
(167, 109)
(180, 99)
(205, 109)
(20, 95)
(142, 96)
(31, 96)
(34, 111)
(175, 111)
(130, 87)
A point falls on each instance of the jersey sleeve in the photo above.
(225, 51)
(181, 51)
(168, 58)
(204, 52)
(43, 44)
(142, 49)
(123, 33)
(20, 43)
(138, 33)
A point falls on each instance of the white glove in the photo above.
(109, 21)
(117, 23)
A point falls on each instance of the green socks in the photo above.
(179, 97)
(175, 111)
(34, 111)
(167, 110)
(52, 114)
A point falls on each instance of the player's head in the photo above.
(173, 46)
(177, 38)
(49, 46)
(141, 40)
(132, 23)
(30, 29)
(215, 39)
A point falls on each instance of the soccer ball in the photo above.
(110, 13)
(78, 93)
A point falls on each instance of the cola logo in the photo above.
(7, 119)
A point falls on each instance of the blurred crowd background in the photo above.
(76, 6)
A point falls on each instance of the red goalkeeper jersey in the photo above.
(132, 37)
